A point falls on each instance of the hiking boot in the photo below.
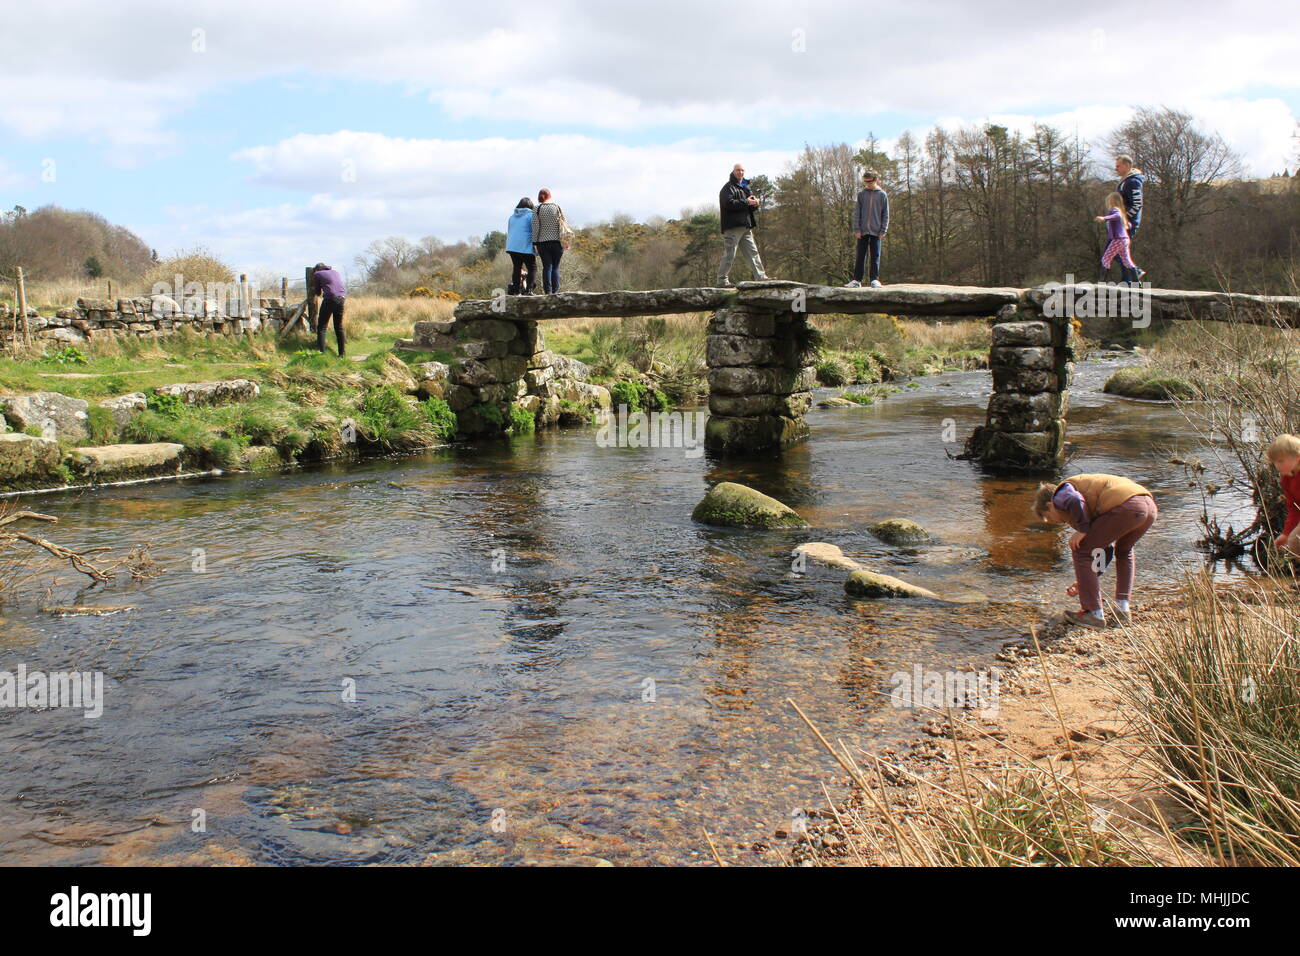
(854, 284)
(1085, 619)
(1124, 617)
(875, 283)
(725, 284)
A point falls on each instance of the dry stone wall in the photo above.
(141, 316)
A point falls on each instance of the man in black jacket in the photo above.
(1130, 187)
(737, 204)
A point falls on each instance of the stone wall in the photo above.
(1032, 360)
(496, 364)
(760, 379)
(142, 316)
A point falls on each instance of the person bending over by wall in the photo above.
(1103, 510)
(736, 205)
(870, 223)
(551, 236)
(1117, 240)
(329, 285)
(519, 244)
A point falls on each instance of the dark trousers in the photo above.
(329, 307)
(521, 262)
(867, 244)
(550, 252)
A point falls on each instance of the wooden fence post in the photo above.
(22, 310)
(284, 291)
(245, 305)
(312, 304)
(110, 288)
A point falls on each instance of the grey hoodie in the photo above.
(871, 212)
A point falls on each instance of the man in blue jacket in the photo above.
(736, 204)
(1131, 182)
(870, 223)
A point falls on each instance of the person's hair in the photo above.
(1284, 446)
(1043, 498)
(543, 195)
(1116, 201)
(870, 174)
(526, 203)
(1124, 158)
(319, 266)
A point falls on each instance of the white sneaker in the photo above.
(855, 284)
(875, 283)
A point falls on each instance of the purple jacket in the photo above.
(1068, 500)
(1115, 225)
(329, 283)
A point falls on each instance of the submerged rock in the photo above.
(870, 584)
(124, 408)
(730, 505)
(899, 531)
(827, 555)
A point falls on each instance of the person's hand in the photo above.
(857, 235)
(753, 200)
(1075, 540)
(1073, 590)
(1099, 218)
(1280, 543)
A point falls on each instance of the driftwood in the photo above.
(137, 563)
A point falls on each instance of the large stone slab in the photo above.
(580, 304)
(889, 299)
(1085, 298)
(119, 462)
(57, 416)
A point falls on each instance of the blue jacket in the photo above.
(1130, 187)
(519, 232)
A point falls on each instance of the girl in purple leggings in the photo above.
(1116, 220)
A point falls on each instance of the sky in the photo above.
(276, 134)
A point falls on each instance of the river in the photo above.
(551, 662)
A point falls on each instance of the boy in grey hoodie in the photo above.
(870, 223)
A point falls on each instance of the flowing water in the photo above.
(550, 661)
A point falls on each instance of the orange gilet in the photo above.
(1104, 492)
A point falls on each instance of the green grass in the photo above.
(1148, 382)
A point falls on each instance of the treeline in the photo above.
(980, 205)
(52, 243)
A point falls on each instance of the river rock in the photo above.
(117, 462)
(872, 585)
(261, 458)
(125, 407)
(899, 531)
(212, 393)
(834, 401)
(827, 555)
(731, 505)
(25, 458)
(432, 379)
(57, 416)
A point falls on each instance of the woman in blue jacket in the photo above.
(519, 243)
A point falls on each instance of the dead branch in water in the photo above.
(137, 562)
